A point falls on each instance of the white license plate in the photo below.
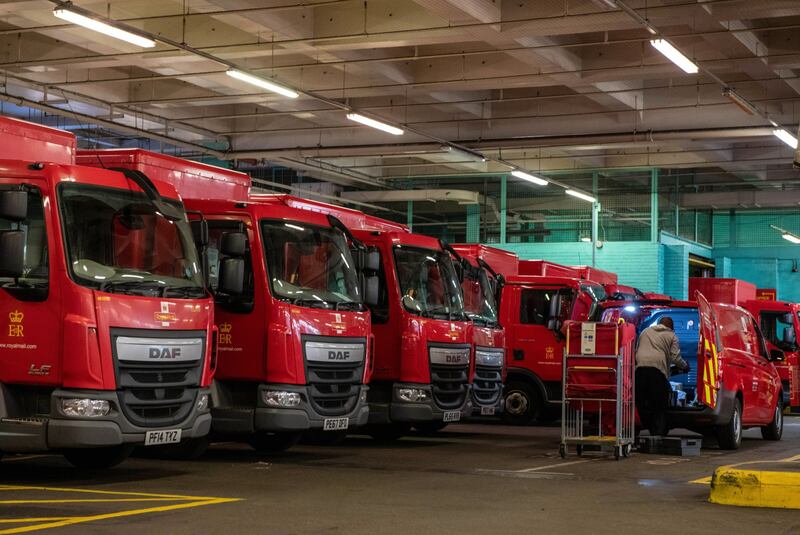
(166, 436)
(487, 411)
(335, 424)
(451, 416)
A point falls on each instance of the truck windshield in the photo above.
(118, 242)
(310, 265)
(479, 301)
(428, 283)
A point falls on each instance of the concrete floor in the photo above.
(468, 479)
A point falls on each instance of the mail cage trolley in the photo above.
(598, 391)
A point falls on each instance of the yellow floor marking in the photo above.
(790, 459)
(110, 500)
(38, 519)
(702, 481)
(42, 523)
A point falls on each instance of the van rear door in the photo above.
(708, 364)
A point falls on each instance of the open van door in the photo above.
(708, 383)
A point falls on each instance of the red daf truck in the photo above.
(482, 282)
(107, 341)
(779, 322)
(422, 335)
(295, 347)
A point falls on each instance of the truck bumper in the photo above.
(397, 410)
(690, 418)
(62, 432)
(239, 421)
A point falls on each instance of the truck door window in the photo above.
(732, 333)
(33, 285)
(380, 312)
(778, 329)
(535, 305)
(241, 303)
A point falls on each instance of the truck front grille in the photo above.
(449, 385)
(487, 385)
(335, 372)
(156, 393)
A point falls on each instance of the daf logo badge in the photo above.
(164, 353)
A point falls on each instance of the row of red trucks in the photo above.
(152, 301)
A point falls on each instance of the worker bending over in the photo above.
(656, 350)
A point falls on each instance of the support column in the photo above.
(473, 223)
(654, 205)
(410, 215)
(503, 199)
(595, 217)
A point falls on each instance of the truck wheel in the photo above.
(388, 432)
(267, 442)
(729, 435)
(522, 404)
(774, 431)
(98, 458)
(430, 428)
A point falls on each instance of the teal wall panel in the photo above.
(676, 271)
(766, 267)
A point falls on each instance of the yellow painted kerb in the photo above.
(756, 488)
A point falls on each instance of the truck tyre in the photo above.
(388, 432)
(522, 403)
(774, 430)
(268, 442)
(430, 428)
(98, 458)
(729, 435)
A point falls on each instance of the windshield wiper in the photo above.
(127, 286)
(197, 292)
(314, 303)
(348, 305)
(444, 309)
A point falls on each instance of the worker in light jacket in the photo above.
(656, 350)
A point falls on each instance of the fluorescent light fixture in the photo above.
(530, 178)
(469, 154)
(260, 82)
(586, 239)
(102, 27)
(788, 236)
(580, 195)
(674, 55)
(743, 104)
(786, 137)
(357, 117)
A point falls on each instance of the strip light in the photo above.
(530, 178)
(580, 195)
(786, 137)
(674, 55)
(104, 28)
(375, 124)
(788, 236)
(469, 154)
(260, 82)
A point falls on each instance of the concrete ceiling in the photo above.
(549, 85)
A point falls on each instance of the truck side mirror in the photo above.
(776, 355)
(233, 244)
(372, 290)
(12, 253)
(200, 232)
(789, 337)
(372, 260)
(231, 276)
(14, 205)
(554, 320)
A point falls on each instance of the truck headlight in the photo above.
(202, 402)
(280, 398)
(363, 396)
(414, 395)
(85, 407)
(488, 358)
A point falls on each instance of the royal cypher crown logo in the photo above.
(15, 328)
(225, 328)
(16, 316)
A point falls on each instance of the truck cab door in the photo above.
(30, 300)
(537, 344)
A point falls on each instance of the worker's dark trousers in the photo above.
(652, 399)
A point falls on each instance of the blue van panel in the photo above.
(687, 330)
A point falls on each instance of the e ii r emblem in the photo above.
(15, 327)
